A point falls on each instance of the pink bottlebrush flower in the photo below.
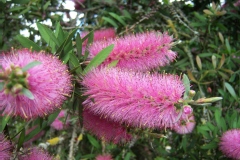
(104, 157)
(140, 52)
(5, 148)
(104, 129)
(185, 124)
(49, 82)
(230, 143)
(137, 99)
(58, 123)
(35, 154)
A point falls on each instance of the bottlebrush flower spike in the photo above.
(35, 154)
(230, 143)
(5, 148)
(140, 52)
(137, 99)
(48, 82)
(104, 129)
(104, 157)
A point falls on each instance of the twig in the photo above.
(74, 135)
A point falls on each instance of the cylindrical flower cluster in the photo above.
(135, 99)
(49, 83)
(140, 52)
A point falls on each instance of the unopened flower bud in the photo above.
(18, 72)
(192, 93)
(209, 100)
(17, 88)
(187, 109)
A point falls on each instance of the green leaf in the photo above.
(52, 117)
(93, 141)
(27, 93)
(27, 43)
(211, 145)
(217, 115)
(31, 65)
(32, 133)
(79, 45)
(21, 139)
(186, 84)
(46, 5)
(99, 58)
(48, 36)
(20, 2)
(109, 20)
(117, 17)
(126, 14)
(228, 45)
(1, 86)
(231, 90)
(66, 41)
(59, 33)
(5, 120)
(113, 63)
(74, 61)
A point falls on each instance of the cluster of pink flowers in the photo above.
(230, 143)
(49, 83)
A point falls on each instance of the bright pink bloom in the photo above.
(5, 148)
(105, 129)
(58, 123)
(185, 124)
(104, 157)
(35, 154)
(139, 52)
(230, 143)
(49, 83)
(137, 99)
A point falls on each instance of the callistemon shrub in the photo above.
(230, 143)
(104, 129)
(36, 91)
(5, 148)
(133, 98)
(139, 52)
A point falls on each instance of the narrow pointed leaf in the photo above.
(5, 120)
(27, 43)
(231, 90)
(31, 65)
(99, 58)
(21, 139)
(27, 93)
